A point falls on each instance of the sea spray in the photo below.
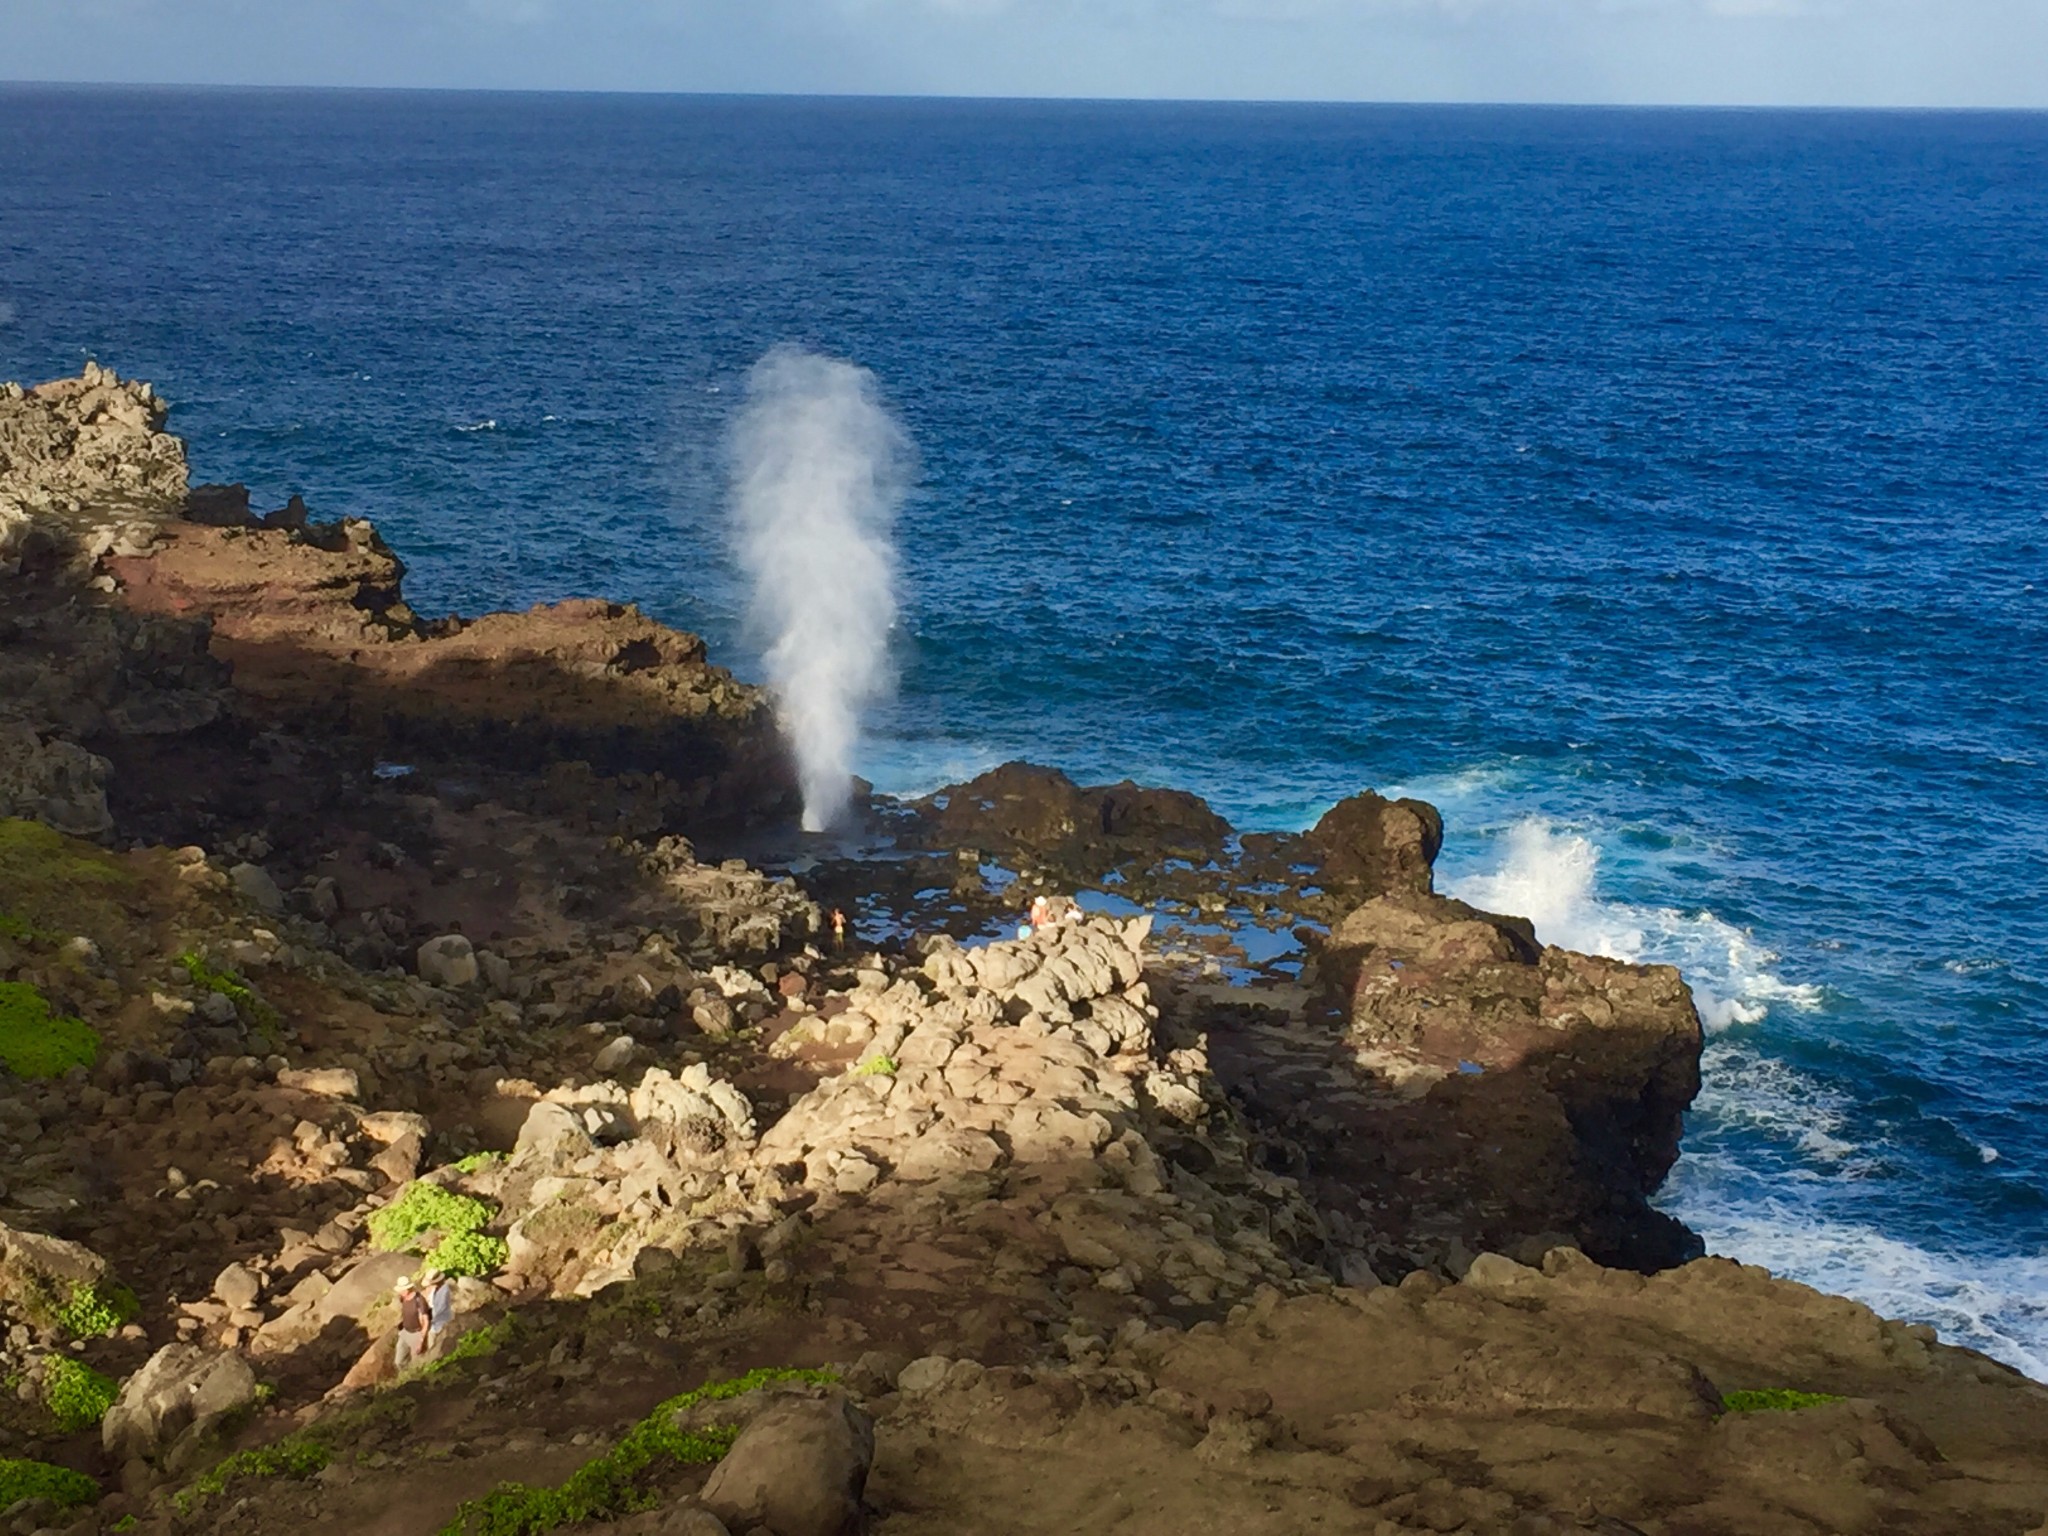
(1550, 876)
(819, 467)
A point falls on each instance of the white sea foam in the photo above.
(1550, 876)
(1744, 1090)
(487, 425)
(819, 467)
(1994, 1302)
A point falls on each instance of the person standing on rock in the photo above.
(412, 1322)
(838, 928)
(440, 1300)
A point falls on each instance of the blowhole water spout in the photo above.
(819, 468)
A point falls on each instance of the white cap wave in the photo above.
(1548, 876)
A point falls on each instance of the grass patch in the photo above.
(297, 1456)
(877, 1066)
(476, 1160)
(617, 1483)
(462, 1247)
(35, 1042)
(231, 985)
(474, 1345)
(57, 886)
(39, 1480)
(1775, 1400)
(77, 1396)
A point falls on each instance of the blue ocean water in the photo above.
(1665, 494)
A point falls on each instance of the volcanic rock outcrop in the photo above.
(379, 943)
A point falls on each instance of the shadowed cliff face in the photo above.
(311, 624)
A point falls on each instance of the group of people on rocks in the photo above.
(1048, 910)
(425, 1308)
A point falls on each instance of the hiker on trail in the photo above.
(440, 1300)
(412, 1322)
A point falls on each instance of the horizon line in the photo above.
(1047, 98)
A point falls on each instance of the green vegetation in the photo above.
(462, 1248)
(299, 1456)
(126, 1523)
(77, 1396)
(474, 1345)
(92, 1313)
(1774, 1400)
(476, 1160)
(39, 1480)
(469, 1253)
(617, 1482)
(877, 1066)
(56, 886)
(230, 985)
(34, 1042)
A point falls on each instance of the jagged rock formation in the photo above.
(85, 467)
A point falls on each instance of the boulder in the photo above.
(183, 1389)
(255, 886)
(39, 1273)
(676, 1520)
(1369, 845)
(356, 1293)
(1024, 808)
(325, 1082)
(448, 961)
(799, 1468)
(553, 1133)
(53, 781)
(238, 1287)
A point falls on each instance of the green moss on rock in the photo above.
(53, 886)
(36, 1041)
(1774, 1400)
(230, 985)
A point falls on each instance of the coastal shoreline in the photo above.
(357, 905)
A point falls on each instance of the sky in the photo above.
(1902, 53)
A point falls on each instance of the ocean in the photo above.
(1664, 494)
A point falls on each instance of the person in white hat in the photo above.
(412, 1321)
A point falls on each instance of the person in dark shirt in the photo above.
(412, 1322)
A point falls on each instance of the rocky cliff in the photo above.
(1257, 1186)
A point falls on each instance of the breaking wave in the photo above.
(1550, 876)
